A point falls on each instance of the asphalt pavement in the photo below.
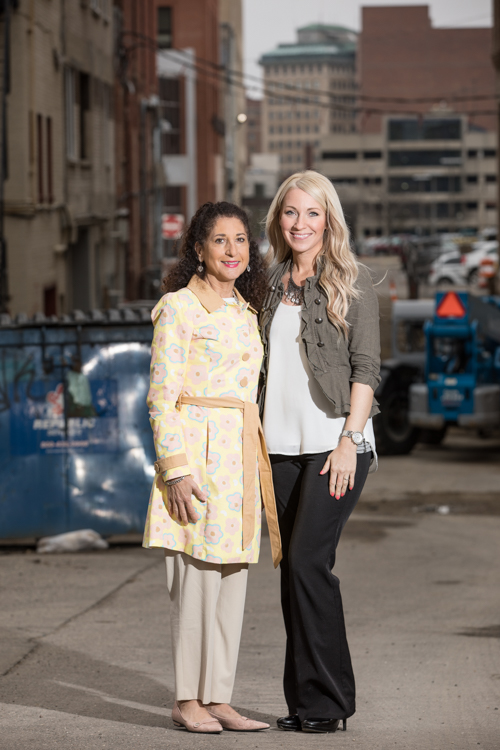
(85, 638)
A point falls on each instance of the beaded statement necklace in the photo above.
(293, 293)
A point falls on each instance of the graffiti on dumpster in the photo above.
(77, 416)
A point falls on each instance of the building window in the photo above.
(471, 205)
(413, 129)
(472, 179)
(472, 153)
(84, 101)
(164, 36)
(425, 158)
(490, 178)
(70, 113)
(50, 301)
(372, 154)
(271, 129)
(490, 206)
(489, 153)
(50, 190)
(345, 155)
(39, 144)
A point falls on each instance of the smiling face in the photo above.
(226, 251)
(303, 222)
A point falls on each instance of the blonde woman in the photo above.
(320, 328)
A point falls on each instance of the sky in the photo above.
(270, 22)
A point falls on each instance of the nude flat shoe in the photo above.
(210, 726)
(241, 724)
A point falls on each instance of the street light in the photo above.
(241, 118)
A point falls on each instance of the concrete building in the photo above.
(310, 91)
(428, 175)
(261, 179)
(402, 57)
(59, 144)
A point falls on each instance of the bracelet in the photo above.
(171, 482)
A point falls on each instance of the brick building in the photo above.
(400, 55)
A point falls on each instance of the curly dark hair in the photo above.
(252, 285)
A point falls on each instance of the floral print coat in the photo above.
(203, 346)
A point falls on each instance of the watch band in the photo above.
(350, 434)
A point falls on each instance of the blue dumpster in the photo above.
(76, 449)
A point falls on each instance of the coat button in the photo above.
(273, 288)
(243, 382)
(245, 356)
(318, 301)
(318, 320)
(320, 343)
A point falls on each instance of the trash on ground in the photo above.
(443, 510)
(72, 541)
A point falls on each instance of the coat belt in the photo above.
(254, 445)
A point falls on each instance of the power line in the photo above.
(222, 74)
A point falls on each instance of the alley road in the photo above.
(85, 643)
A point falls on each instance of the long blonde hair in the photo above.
(339, 267)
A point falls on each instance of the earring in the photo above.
(200, 267)
(248, 269)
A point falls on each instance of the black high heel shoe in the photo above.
(323, 726)
(289, 723)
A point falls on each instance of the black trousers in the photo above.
(318, 679)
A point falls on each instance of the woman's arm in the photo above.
(169, 356)
(342, 461)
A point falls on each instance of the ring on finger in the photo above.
(345, 480)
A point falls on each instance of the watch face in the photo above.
(357, 438)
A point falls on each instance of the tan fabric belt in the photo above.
(253, 445)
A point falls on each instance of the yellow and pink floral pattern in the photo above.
(203, 346)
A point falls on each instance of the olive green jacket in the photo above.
(335, 361)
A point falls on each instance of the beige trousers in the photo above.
(207, 604)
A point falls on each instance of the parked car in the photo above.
(447, 269)
(471, 261)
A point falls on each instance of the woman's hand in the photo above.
(180, 505)
(342, 465)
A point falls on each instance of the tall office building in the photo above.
(310, 92)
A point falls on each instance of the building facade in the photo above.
(310, 91)
(407, 65)
(59, 184)
(435, 174)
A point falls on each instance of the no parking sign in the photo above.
(172, 226)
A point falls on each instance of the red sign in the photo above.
(451, 307)
(172, 226)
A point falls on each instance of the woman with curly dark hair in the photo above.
(205, 502)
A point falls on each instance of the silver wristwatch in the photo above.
(356, 437)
